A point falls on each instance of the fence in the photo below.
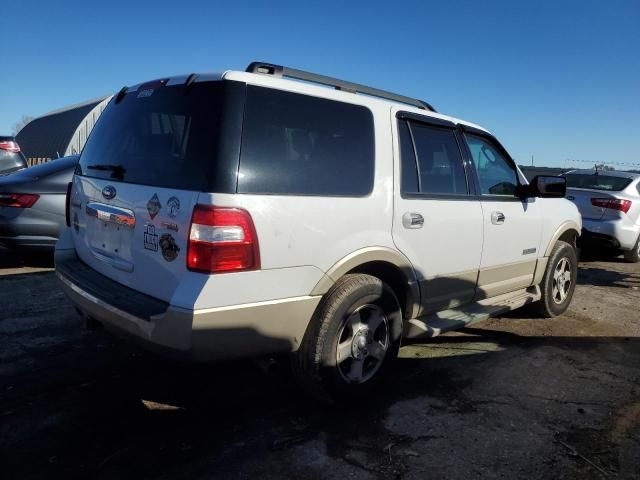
(36, 161)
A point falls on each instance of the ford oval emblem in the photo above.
(109, 192)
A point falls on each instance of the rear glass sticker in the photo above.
(173, 207)
(150, 237)
(145, 93)
(169, 226)
(154, 206)
(169, 247)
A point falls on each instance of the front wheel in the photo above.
(633, 256)
(352, 338)
(559, 280)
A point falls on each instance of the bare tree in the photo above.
(19, 125)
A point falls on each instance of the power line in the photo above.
(627, 164)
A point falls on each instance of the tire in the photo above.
(559, 281)
(633, 256)
(353, 337)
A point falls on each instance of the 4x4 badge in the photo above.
(154, 206)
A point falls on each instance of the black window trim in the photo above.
(464, 129)
(472, 189)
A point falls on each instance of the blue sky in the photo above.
(555, 79)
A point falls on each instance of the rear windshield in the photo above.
(597, 182)
(164, 136)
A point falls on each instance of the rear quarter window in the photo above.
(294, 144)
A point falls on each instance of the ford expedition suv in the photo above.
(251, 213)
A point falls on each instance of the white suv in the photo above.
(246, 214)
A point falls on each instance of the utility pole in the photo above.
(532, 159)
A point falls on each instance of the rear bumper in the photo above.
(228, 332)
(28, 242)
(614, 233)
(29, 228)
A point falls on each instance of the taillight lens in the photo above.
(67, 205)
(18, 200)
(222, 239)
(613, 203)
(10, 146)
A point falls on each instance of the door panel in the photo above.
(510, 248)
(512, 227)
(437, 225)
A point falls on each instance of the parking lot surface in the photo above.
(512, 397)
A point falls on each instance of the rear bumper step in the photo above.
(137, 304)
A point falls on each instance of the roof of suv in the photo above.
(344, 91)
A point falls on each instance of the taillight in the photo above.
(613, 203)
(67, 205)
(18, 200)
(222, 239)
(10, 146)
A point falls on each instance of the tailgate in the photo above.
(138, 238)
(149, 156)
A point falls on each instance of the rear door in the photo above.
(139, 177)
(437, 223)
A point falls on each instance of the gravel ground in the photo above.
(512, 397)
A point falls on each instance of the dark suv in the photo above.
(11, 158)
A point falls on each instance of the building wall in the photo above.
(79, 137)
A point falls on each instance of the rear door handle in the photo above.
(412, 220)
(497, 218)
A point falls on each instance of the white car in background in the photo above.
(609, 202)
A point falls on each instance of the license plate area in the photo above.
(109, 234)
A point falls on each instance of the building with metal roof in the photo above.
(61, 132)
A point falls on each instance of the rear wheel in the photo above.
(559, 280)
(351, 340)
(633, 256)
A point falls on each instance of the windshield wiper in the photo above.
(117, 171)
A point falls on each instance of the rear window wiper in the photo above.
(117, 171)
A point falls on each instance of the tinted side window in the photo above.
(496, 174)
(438, 161)
(297, 144)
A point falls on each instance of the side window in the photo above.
(435, 167)
(497, 175)
(295, 144)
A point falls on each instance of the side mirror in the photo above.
(545, 187)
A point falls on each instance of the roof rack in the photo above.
(281, 71)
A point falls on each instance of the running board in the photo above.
(434, 324)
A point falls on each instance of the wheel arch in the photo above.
(568, 232)
(385, 263)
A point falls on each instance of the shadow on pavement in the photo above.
(102, 408)
(12, 259)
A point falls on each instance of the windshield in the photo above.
(164, 136)
(597, 182)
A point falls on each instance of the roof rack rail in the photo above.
(281, 71)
